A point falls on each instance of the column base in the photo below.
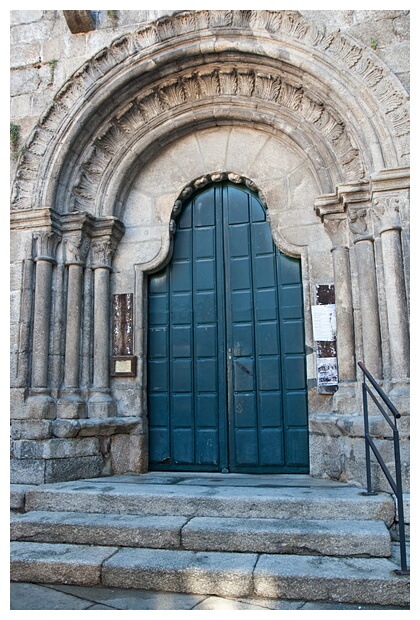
(399, 395)
(345, 398)
(40, 406)
(71, 406)
(102, 405)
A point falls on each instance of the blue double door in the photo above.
(226, 353)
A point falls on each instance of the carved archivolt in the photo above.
(189, 88)
(220, 81)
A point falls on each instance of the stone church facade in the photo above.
(121, 122)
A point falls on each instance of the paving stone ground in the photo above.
(30, 596)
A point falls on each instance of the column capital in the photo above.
(76, 247)
(106, 234)
(358, 224)
(337, 229)
(386, 209)
(45, 244)
(102, 253)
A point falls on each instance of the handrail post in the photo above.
(400, 508)
(396, 484)
(367, 446)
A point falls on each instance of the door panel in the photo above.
(226, 367)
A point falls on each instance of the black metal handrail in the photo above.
(396, 485)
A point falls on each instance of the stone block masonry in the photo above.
(122, 117)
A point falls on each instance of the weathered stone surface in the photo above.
(27, 471)
(17, 495)
(224, 574)
(330, 579)
(344, 538)
(342, 502)
(99, 529)
(73, 468)
(129, 453)
(79, 21)
(30, 429)
(49, 563)
(204, 568)
(56, 448)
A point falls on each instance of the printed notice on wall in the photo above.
(327, 371)
(324, 322)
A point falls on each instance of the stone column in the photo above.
(336, 226)
(40, 403)
(101, 404)
(366, 269)
(71, 403)
(386, 209)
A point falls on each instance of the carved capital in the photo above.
(102, 253)
(358, 224)
(106, 234)
(387, 211)
(337, 229)
(76, 248)
(45, 245)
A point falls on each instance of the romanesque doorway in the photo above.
(226, 356)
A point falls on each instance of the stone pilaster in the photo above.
(366, 269)
(386, 210)
(40, 403)
(71, 403)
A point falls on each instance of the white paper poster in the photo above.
(324, 322)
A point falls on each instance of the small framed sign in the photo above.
(124, 366)
(123, 362)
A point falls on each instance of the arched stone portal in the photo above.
(314, 121)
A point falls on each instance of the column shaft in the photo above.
(372, 349)
(101, 329)
(74, 303)
(41, 324)
(396, 304)
(344, 310)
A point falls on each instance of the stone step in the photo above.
(319, 537)
(309, 578)
(265, 501)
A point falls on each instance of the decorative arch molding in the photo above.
(76, 140)
(229, 86)
(217, 177)
(164, 254)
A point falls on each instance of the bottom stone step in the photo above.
(346, 580)
(309, 578)
(58, 563)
